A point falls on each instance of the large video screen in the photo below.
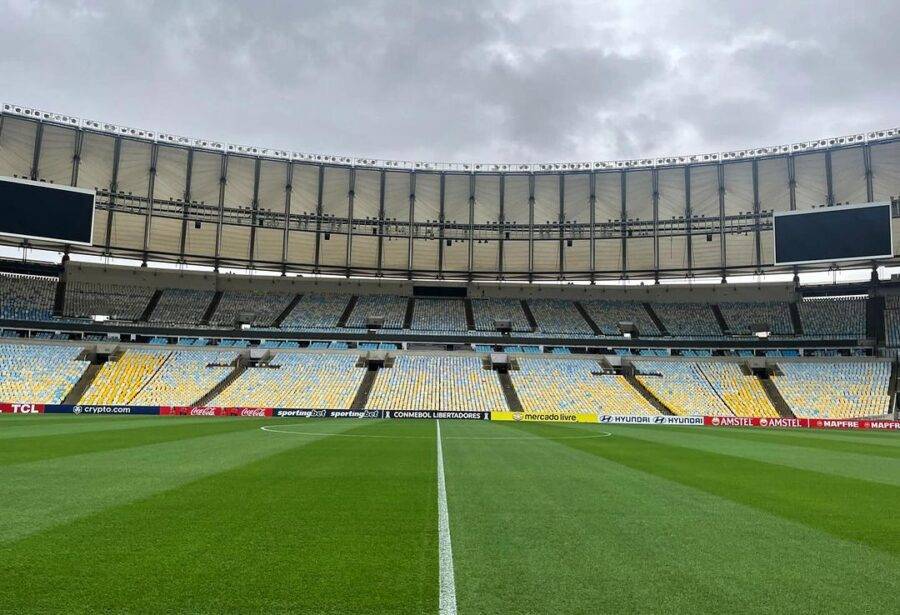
(36, 210)
(844, 232)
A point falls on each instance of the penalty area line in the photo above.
(447, 593)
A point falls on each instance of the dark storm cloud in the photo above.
(487, 81)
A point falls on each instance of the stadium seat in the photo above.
(436, 383)
(575, 385)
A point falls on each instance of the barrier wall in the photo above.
(525, 417)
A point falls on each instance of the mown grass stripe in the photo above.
(328, 525)
(541, 526)
(34, 448)
(38, 495)
(790, 438)
(848, 508)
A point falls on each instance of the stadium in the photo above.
(409, 420)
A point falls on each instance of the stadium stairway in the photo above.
(345, 315)
(646, 394)
(240, 366)
(774, 395)
(148, 311)
(529, 316)
(407, 318)
(211, 309)
(287, 310)
(365, 388)
(509, 392)
(470, 315)
(87, 378)
(59, 299)
(656, 321)
(795, 318)
(723, 326)
(587, 318)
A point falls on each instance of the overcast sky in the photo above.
(463, 81)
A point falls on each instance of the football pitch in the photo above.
(151, 514)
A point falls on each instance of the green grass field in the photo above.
(193, 515)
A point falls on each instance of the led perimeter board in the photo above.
(830, 234)
(37, 210)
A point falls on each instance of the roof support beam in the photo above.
(623, 213)
(254, 212)
(867, 163)
(113, 189)
(151, 189)
(223, 179)
(720, 177)
(412, 220)
(654, 189)
(76, 156)
(319, 218)
(471, 229)
(187, 202)
(382, 179)
(36, 154)
(592, 233)
(441, 230)
(829, 182)
(562, 226)
(501, 219)
(530, 227)
(688, 214)
(288, 192)
(351, 193)
(756, 214)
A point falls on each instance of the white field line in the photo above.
(447, 595)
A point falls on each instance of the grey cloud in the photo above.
(525, 81)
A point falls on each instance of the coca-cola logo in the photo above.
(253, 412)
(203, 411)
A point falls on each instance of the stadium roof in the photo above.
(168, 198)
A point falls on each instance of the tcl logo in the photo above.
(24, 408)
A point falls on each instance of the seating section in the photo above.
(608, 314)
(184, 378)
(486, 311)
(688, 319)
(182, 306)
(298, 380)
(742, 393)
(264, 307)
(681, 387)
(38, 374)
(833, 317)
(439, 315)
(558, 316)
(316, 311)
(26, 297)
(119, 302)
(119, 381)
(437, 383)
(391, 307)
(741, 317)
(835, 389)
(575, 386)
